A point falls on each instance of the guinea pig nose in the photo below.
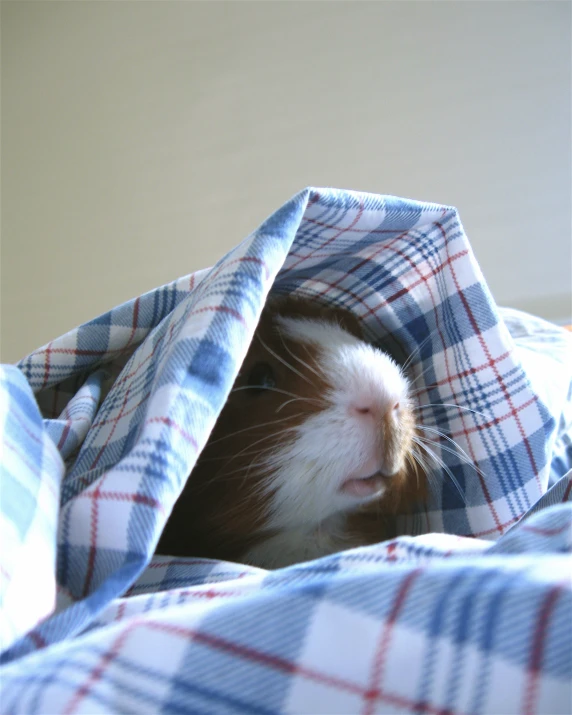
(372, 408)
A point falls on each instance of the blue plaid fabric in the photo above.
(100, 428)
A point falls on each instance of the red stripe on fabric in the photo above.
(291, 668)
(104, 354)
(351, 229)
(242, 259)
(504, 525)
(339, 232)
(49, 351)
(213, 593)
(170, 423)
(114, 422)
(37, 639)
(108, 353)
(417, 706)
(257, 656)
(424, 277)
(209, 595)
(65, 433)
(389, 246)
(469, 371)
(95, 502)
(545, 532)
(492, 364)
(314, 199)
(567, 490)
(124, 378)
(367, 311)
(450, 378)
(94, 513)
(128, 412)
(241, 652)
(47, 364)
(495, 421)
(120, 611)
(537, 651)
(83, 352)
(111, 495)
(375, 690)
(97, 672)
(86, 398)
(357, 298)
(220, 309)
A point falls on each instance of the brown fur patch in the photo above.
(221, 511)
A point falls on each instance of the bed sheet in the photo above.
(100, 428)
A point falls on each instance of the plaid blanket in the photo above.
(469, 612)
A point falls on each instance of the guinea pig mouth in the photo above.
(364, 486)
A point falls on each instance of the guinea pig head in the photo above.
(318, 422)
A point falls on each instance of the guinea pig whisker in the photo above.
(424, 467)
(237, 506)
(259, 488)
(226, 456)
(302, 362)
(424, 388)
(418, 348)
(238, 473)
(444, 448)
(242, 475)
(249, 446)
(244, 453)
(421, 374)
(458, 448)
(296, 399)
(264, 387)
(285, 362)
(414, 466)
(246, 429)
(282, 392)
(449, 404)
(421, 443)
(234, 474)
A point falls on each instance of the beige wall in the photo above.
(141, 140)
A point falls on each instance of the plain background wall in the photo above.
(141, 140)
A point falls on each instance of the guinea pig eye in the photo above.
(261, 377)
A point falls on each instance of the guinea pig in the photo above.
(311, 453)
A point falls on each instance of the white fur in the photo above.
(298, 545)
(334, 444)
